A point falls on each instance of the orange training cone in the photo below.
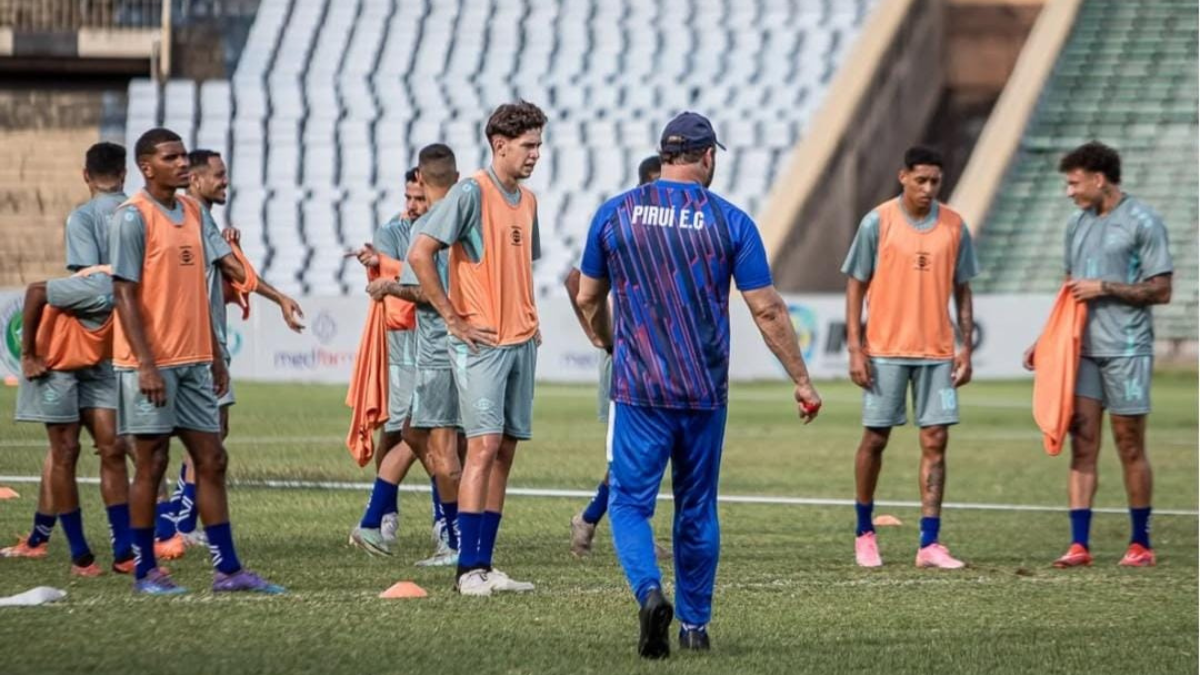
(404, 589)
(887, 521)
(8, 493)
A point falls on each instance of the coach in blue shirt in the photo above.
(667, 250)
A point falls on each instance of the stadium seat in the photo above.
(331, 101)
(1134, 89)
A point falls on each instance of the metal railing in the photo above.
(72, 15)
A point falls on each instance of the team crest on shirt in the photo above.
(515, 234)
(187, 256)
(922, 261)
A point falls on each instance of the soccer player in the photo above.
(66, 360)
(435, 418)
(94, 386)
(910, 256)
(208, 183)
(376, 531)
(169, 370)
(489, 222)
(1118, 262)
(583, 524)
(669, 250)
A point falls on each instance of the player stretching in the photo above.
(1117, 260)
(911, 254)
(376, 531)
(93, 388)
(435, 418)
(670, 249)
(169, 370)
(583, 524)
(208, 183)
(489, 222)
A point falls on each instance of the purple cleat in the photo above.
(244, 580)
(157, 582)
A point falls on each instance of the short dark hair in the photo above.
(513, 119)
(148, 143)
(199, 158)
(411, 176)
(651, 164)
(920, 154)
(1095, 157)
(687, 157)
(437, 164)
(105, 160)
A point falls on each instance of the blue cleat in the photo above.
(245, 580)
(157, 582)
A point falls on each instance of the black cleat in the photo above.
(695, 640)
(655, 619)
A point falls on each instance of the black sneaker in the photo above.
(655, 619)
(696, 639)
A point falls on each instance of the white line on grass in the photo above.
(585, 494)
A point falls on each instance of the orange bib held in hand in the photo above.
(1056, 363)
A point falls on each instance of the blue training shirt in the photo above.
(669, 251)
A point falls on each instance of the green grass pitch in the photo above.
(789, 598)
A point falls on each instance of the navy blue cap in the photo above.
(688, 131)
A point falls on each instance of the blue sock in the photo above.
(598, 506)
(1141, 526)
(143, 551)
(487, 537)
(187, 514)
(43, 525)
(382, 496)
(220, 546)
(929, 531)
(72, 524)
(119, 533)
(438, 512)
(177, 495)
(164, 526)
(450, 512)
(1081, 525)
(863, 511)
(469, 525)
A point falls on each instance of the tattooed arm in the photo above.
(964, 304)
(1153, 291)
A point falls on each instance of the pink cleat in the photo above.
(1139, 556)
(936, 555)
(866, 551)
(1076, 556)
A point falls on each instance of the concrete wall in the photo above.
(891, 114)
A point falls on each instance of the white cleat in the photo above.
(447, 558)
(388, 527)
(475, 582)
(194, 538)
(502, 583)
(582, 533)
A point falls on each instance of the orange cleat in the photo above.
(1139, 556)
(171, 549)
(125, 567)
(92, 570)
(1076, 556)
(24, 550)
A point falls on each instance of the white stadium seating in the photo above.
(332, 99)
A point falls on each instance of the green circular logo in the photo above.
(10, 321)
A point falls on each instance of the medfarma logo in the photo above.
(10, 320)
(804, 320)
